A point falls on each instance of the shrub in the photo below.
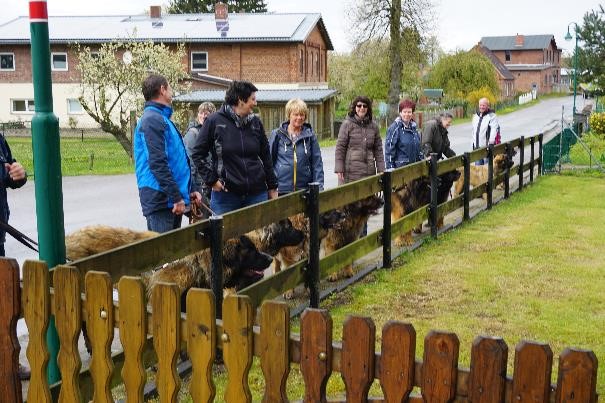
(597, 123)
(474, 96)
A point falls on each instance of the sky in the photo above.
(459, 24)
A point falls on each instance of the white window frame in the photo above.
(8, 54)
(27, 110)
(198, 53)
(70, 112)
(52, 64)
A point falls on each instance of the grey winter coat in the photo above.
(358, 149)
(435, 140)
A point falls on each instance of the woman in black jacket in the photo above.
(240, 171)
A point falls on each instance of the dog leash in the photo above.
(19, 236)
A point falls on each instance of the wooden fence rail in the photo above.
(395, 366)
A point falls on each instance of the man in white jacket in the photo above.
(486, 128)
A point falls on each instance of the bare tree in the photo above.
(375, 19)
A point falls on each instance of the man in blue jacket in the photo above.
(161, 162)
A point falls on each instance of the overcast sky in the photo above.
(460, 23)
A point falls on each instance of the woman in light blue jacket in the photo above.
(295, 151)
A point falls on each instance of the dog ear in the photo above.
(246, 242)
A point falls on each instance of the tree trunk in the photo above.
(395, 59)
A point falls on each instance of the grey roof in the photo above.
(243, 27)
(498, 65)
(262, 96)
(530, 42)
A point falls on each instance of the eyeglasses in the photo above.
(362, 106)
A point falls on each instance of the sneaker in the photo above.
(24, 373)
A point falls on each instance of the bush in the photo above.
(597, 123)
(474, 96)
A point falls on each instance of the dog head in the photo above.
(277, 235)
(331, 219)
(244, 263)
(502, 162)
(365, 207)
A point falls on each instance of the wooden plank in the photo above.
(515, 142)
(409, 221)
(238, 319)
(408, 173)
(451, 205)
(249, 218)
(450, 164)
(201, 343)
(349, 193)
(577, 381)
(357, 358)
(348, 254)
(315, 353)
(478, 191)
(397, 356)
(10, 309)
(499, 149)
(99, 324)
(274, 349)
(440, 366)
(487, 379)
(132, 260)
(133, 335)
(276, 284)
(531, 376)
(514, 171)
(36, 311)
(478, 154)
(68, 318)
(166, 330)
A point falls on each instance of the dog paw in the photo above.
(418, 229)
(288, 295)
(404, 240)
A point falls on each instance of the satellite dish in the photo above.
(127, 57)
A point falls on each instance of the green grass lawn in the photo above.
(91, 156)
(530, 269)
(595, 143)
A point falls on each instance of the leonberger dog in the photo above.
(479, 173)
(407, 199)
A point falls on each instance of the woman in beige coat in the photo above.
(359, 146)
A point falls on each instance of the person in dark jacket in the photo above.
(161, 162)
(436, 140)
(13, 176)
(240, 171)
(402, 145)
(295, 151)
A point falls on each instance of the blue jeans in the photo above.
(163, 221)
(224, 202)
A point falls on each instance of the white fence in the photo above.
(527, 97)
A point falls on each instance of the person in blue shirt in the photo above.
(402, 145)
(161, 162)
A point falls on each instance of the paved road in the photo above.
(113, 200)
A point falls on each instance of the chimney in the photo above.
(155, 11)
(519, 40)
(221, 18)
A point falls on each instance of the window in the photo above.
(199, 61)
(302, 62)
(58, 61)
(22, 106)
(507, 55)
(312, 63)
(74, 106)
(95, 55)
(7, 61)
(317, 65)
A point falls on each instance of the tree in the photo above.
(111, 83)
(462, 73)
(207, 6)
(405, 22)
(591, 57)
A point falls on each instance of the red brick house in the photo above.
(276, 51)
(533, 60)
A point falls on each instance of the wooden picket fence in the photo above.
(163, 331)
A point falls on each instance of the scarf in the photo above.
(239, 121)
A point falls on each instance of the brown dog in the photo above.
(479, 173)
(95, 239)
(407, 199)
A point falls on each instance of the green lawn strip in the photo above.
(595, 143)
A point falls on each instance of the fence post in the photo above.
(540, 140)
(521, 160)
(10, 307)
(531, 159)
(216, 250)
(507, 153)
(387, 188)
(467, 185)
(312, 277)
(490, 175)
(435, 182)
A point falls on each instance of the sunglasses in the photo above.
(362, 106)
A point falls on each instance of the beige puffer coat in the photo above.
(358, 150)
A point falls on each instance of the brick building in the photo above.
(533, 60)
(275, 51)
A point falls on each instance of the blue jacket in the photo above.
(402, 146)
(161, 162)
(296, 164)
(6, 182)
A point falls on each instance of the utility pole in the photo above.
(47, 163)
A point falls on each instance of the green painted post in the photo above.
(47, 163)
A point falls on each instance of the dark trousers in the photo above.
(163, 221)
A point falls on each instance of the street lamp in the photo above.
(575, 63)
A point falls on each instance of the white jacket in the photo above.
(485, 129)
